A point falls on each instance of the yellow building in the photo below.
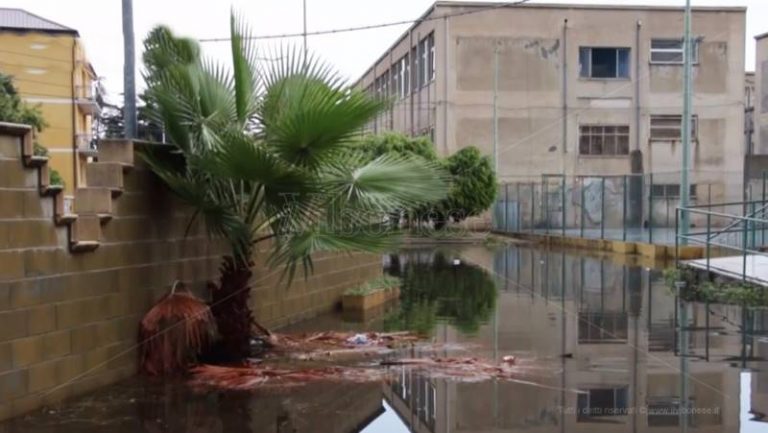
(48, 64)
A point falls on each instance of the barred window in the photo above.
(670, 126)
(670, 190)
(604, 140)
(671, 51)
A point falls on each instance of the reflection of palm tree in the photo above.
(462, 294)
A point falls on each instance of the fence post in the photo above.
(564, 204)
(506, 208)
(533, 205)
(602, 208)
(545, 197)
(519, 208)
(762, 235)
(744, 245)
(709, 225)
(624, 211)
(650, 210)
(581, 219)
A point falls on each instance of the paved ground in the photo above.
(756, 270)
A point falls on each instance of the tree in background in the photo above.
(473, 186)
(472, 178)
(265, 153)
(399, 144)
(14, 110)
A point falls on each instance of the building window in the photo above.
(671, 51)
(670, 126)
(602, 328)
(400, 79)
(426, 60)
(604, 62)
(670, 190)
(604, 140)
(601, 402)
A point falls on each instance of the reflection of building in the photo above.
(49, 67)
(597, 314)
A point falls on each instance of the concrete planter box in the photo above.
(364, 302)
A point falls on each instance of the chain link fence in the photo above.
(636, 207)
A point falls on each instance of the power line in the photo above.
(372, 26)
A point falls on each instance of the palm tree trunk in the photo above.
(230, 307)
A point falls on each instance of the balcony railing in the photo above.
(86, 143)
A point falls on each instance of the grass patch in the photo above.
(382, 283)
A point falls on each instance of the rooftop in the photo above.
(21, 20)
(479, 6)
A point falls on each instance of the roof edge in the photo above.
(485, 4)
(761, 36)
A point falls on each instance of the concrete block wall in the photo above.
(68, 321)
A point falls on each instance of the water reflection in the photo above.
(436, 285)
(608, 329)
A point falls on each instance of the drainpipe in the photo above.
(445, 85)
(75, 154)
(565, 90)
(635, 211)
(411, 74)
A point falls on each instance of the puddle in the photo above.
(599, 338)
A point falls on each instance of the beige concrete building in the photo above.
(581, 89)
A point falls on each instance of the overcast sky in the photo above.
(99, 23)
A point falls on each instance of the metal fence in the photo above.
(638, 208)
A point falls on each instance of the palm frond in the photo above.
(244, 69)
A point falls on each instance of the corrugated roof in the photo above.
(19, 19)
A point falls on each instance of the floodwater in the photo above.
(603, 332)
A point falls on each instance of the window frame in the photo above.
(617, 133)
(589, 76)
(680, 50)
(679, 119)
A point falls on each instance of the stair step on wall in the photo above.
(116, 151)
(85, 233)
(105, 175)
(94, 201)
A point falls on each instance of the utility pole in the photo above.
(304, 9)
(495, 107)
(129, 72)
(685, 185)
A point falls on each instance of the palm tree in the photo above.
(265, 153)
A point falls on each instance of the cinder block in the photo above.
(652, 251)
(90, 201)
(11, 264)
(69, 368)
(42, 376)
(84, 338)
(13, 384)
(41, 319)
(26, 404)
(6, 357)
(57, 344)
(105, 175)
(27, 351)
(687, 252)
(118, 151)
(13, 324)
(621, 247)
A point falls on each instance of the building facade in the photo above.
(49, 68)
(577, 89)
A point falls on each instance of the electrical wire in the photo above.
(373, 26)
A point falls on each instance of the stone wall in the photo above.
(68, 320)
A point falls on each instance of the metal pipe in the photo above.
(686, 124)
(129, 71)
